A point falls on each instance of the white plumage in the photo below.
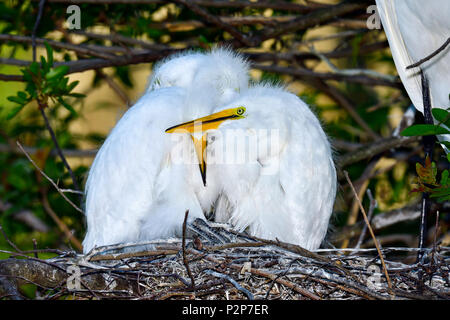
(139, 188)
(134, 191)
(286, 189)
(415, 29)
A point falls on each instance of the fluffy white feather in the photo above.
(286, 189)
(135, 188)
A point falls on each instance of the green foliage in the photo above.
(44, 82)
(427, 174)
(47, 86)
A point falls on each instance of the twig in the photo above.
(232, 281)
(215, 20)
(61, 45)
(421, 61)
(115, 87)
(36, 26)
(239, 4)
(49, 179)
(303, 72)
(428, 144)
(183, 246)
(352, 72)
(372, 149)
(58, 148)
(370, 230)
(61, 225)
(303, 22)
(372, 206)
(8, 240)
(32, 150)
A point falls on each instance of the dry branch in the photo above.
(159, 272)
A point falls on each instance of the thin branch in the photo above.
(183, 246)
(58, 148)
(275, 5)
(372, 206)
(353, 72)
(342, 100)
(8, 240)
(36, 26)
(48, 178)
(372, 149)
(89, 51)
(70, 153)
(215, 20)
(429, 57)
(303, 72)
(312, 19)
(232, 281)
(370, 230)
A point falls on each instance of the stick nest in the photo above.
(218, 263)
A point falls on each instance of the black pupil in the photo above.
(240, 111)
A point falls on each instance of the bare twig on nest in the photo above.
(370, 230)
(183, 248)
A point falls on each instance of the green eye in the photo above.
(240, 111)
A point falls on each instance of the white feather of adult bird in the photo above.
(135, 190)
(415, 29)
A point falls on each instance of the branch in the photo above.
(370, 150)
(216, 20)
(312, 19)
(275, 5)
(303, 72)
(183, 248)
(429, 57)
(49, 179)
(370, 230)
(70, 153)
(57, 44)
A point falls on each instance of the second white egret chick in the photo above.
(136, 188)
(277, 175)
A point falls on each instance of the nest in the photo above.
(219, 264)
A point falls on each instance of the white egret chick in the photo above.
(274, 166)
(136, 189)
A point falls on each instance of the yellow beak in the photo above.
(202, 125)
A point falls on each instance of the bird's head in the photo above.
(220, 72)
(178, 70)
(198, 129)
(226, 72)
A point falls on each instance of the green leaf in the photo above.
(77, 95)
(424, 130)
(14, 111)
(22, 95)
(67, 106)
(440, 115)
(49, 53)
(57, 72)
(72, 85)
(444, 178)
(447, 198)
(16, 99)
(35, 68)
